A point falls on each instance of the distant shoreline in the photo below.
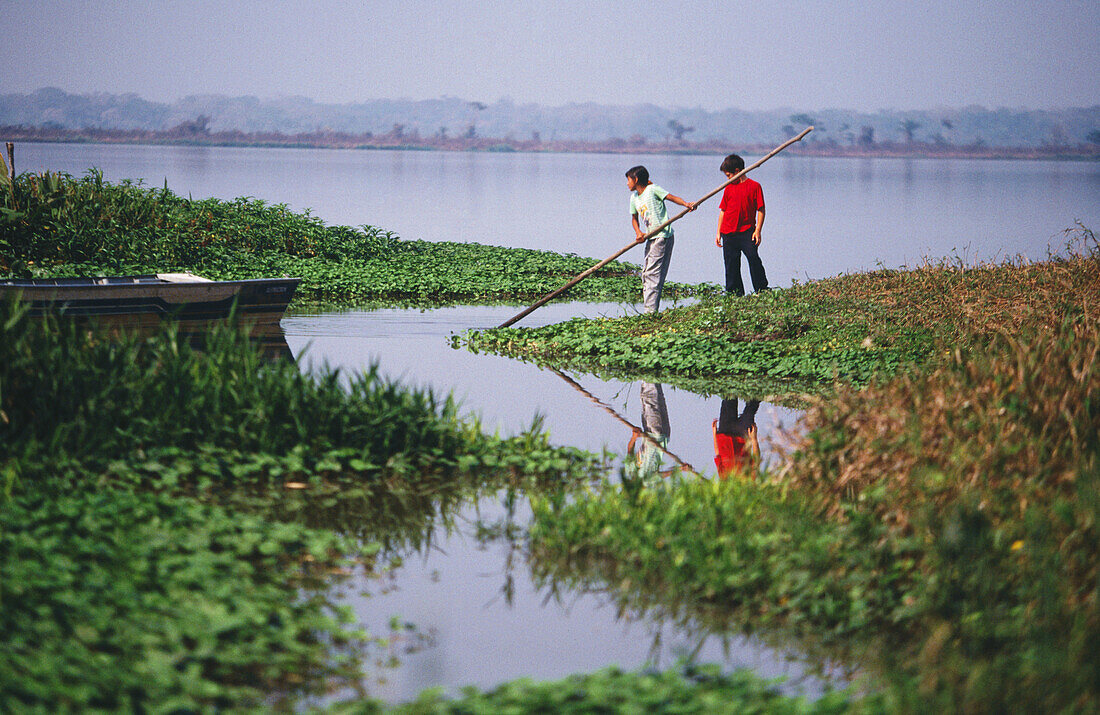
(337, 140)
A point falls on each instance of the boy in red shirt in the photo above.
(740, 219)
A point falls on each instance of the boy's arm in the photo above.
(759, 225)
(637, 229)
(718, 237)
(678, 200)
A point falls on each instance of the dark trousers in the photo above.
(729, 422)
(733, 245)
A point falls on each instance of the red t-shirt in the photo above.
(740, 202)
(731, 455)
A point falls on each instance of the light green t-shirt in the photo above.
(650, 207)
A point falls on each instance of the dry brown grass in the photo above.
(1013, 403)
(964, 306)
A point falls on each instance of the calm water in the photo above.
(455, 590)
(825, 217)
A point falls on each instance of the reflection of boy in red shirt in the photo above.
(736, 447)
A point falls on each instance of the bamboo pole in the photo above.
(581, 276)
(11, 179)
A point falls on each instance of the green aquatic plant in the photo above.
(687, 689)
(62, 220)
(124, 601)
(792, 336)
(173, 517)
(67, 226)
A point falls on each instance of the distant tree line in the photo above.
(450, 122)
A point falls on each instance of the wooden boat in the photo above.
(147, 299)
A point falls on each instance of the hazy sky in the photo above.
(763, 54)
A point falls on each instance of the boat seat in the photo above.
(182, 278)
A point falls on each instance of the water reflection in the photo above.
(736, 446)
(679, 628)
(654, 432)
(644, 462)
(464, 575)
(269, 339)
(491, 614)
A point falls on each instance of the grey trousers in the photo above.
(658, 254)
(655, 425)
(654, 410)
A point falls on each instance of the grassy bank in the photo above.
(850, 328)
(172, 521)
(54, 224)
(950, 512)
(792, 340)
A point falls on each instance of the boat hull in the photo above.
(146, 300)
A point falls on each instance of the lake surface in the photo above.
(825, 217)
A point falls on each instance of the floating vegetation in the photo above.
(688, 689)
(778, 341)
(56, 225)
(852, 328)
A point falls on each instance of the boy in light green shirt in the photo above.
(647, 212)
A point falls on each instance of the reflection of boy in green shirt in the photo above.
(654, 433)
(647, 211)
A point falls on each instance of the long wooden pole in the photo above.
(581, 276)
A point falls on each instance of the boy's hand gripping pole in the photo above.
(581, 276)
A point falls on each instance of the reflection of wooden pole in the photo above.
(581, 276)
(683, 465)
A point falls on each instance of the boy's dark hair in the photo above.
(732, 164)
(639, 174)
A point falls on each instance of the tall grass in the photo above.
(951, 510)
(79, 393)
(991, 460)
